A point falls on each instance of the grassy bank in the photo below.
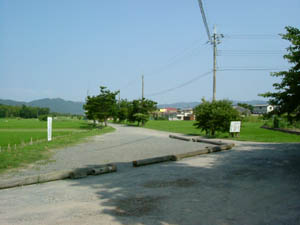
(18, 134)
(250, 131)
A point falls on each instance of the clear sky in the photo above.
(66, 48)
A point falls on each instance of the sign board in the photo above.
(49, 126)
(235, 127)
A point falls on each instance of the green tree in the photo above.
(215, 116)
(287, 97)
(122, 112)
(140, 110)
(90, 108)
(102, 106)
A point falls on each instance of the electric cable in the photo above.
(181, 85)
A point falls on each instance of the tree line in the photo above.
(105, 106)
(22, 111)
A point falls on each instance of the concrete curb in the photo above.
(203, 151)
(58, 175)
(149, 161)
(180, 138)
(196, 140)
(281, 130)
(178, 157)
(208, 141)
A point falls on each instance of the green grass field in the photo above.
(19, 132)
(36, 124)
(250, 131)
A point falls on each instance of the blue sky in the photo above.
(66, 48)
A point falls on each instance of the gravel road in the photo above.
(124, 145)
(251, 184)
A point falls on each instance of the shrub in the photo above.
(215, 116)
(141, 118)
(43, 117)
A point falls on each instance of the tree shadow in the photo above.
(251, 184)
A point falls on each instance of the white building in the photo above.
(185, 114)
(261, 109)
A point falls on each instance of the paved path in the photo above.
(124, 145)
(252, 184)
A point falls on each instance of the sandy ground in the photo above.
(250, 184)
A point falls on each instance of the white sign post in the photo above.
(49, 126)
(235, 127)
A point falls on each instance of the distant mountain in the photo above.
(11, 102)
(183, 105)
(55, 105)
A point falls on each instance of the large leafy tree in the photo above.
(140, 110)
(287, 97)
(215, 116)
(122, 111)
(102, 106)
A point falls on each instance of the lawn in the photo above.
(36, 124)
(17, 133)
(13, 137)
(250, 131)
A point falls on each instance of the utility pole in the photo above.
(142, 87)
(214, 42)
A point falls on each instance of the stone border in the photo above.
(149, 161)
(281, 130)
(196, 140)
(221, 146)
(58, 175)
(180, 138)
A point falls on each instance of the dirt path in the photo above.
(252, 184)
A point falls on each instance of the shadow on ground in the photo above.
(252, 184)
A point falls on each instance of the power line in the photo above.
(190, 51)
(175, 60)
(181, 85)
(204, 20)
(251, 36)
(251, 69)
(249, 52)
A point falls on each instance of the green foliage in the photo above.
(43, 117)
(140, 110)
(287, 97)
(215, 116)
(102, 106)
(122, 112)
(141, 118)
(22, 111)
(282, 122)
